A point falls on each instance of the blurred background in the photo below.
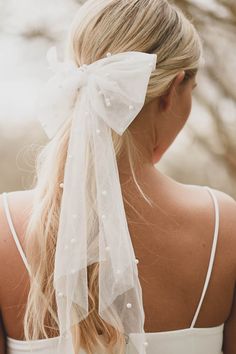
(205, 151)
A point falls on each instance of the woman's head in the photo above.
(150, 26)
(101, 26)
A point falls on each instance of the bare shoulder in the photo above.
(227, 207)
(18, 199)
(227, 211)
(20, 203)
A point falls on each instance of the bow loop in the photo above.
(117, 92)
(57, 98)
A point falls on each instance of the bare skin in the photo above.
(172, 240)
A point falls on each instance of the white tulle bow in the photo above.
(107, 94)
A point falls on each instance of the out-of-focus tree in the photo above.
(205, 152)
(216, 95)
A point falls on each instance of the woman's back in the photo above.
(173, 242)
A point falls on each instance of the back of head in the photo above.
(146, 26)
(100, 26)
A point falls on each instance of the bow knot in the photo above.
(82, 76)
(84, 67)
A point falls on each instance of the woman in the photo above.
(186, 265)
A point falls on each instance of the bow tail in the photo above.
(120, 293)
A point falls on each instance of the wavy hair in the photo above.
(100, 26)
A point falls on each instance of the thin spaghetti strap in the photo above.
(212, 257)
(16, 239)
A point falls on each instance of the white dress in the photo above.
(184, 341)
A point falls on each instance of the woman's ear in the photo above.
(167, 99)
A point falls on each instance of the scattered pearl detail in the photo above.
(61, 185)
(108, 54)
(104, 192)
(137, 261)
(131, 107)
(145, 344)
(98, 131)
(73, 240)
(104, 216)
(107, 248)
(129, 305)
(60, 294)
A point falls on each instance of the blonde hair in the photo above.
(101, 26)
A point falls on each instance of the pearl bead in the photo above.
(66, 247)
(136, 261)
(108, 54)
(129, 305)
(98, 131)
(107, 248)
(118, 271)
(73, 240)
(70, 156)
(104, 216)
(104, 192)
(61, 185)
(145, 344)
(72, 271)
(60, 294)
(131, 107)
